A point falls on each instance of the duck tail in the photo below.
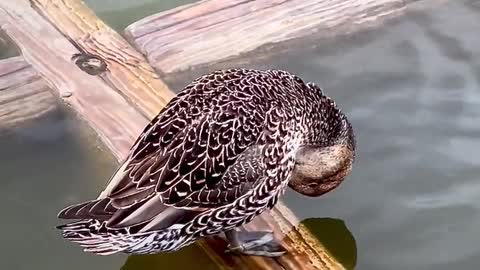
(93, 236)
(87, 234)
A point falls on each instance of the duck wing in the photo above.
(198, 153)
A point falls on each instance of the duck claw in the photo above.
(254, 244)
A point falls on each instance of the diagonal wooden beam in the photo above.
(128, 72)
(49, 53)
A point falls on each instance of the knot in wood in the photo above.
(91, 64)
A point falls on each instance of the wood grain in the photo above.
(24, 95)
(128, 72)
(49, 53)
(216, 30)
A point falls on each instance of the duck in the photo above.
(220, 153)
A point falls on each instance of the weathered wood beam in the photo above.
(127, 69)
(49, 53)
(102, 103)
(210, 31)
(24, 95)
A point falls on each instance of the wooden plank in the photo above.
(176, 40)
(24, 95)
(49, 53)
(128, 72)
(114, 119)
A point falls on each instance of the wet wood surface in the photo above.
(24, 95)
(175, 40)
(48, 51)
(128, 72)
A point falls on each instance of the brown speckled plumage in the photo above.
(220, 153)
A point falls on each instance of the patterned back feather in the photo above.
(220, 153)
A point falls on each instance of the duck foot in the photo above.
(254, 243)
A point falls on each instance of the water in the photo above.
(118, 14)
(45, 165)
(7, 47)
(412, 94)
(410, 90)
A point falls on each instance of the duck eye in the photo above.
(312, 184)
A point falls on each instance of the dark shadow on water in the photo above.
(332, 233)
(7, 47)
(190, 257)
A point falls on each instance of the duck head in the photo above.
(321, 168)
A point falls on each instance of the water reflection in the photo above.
(7, 46)
(337, 239)
(332, 233)
(181, 259)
